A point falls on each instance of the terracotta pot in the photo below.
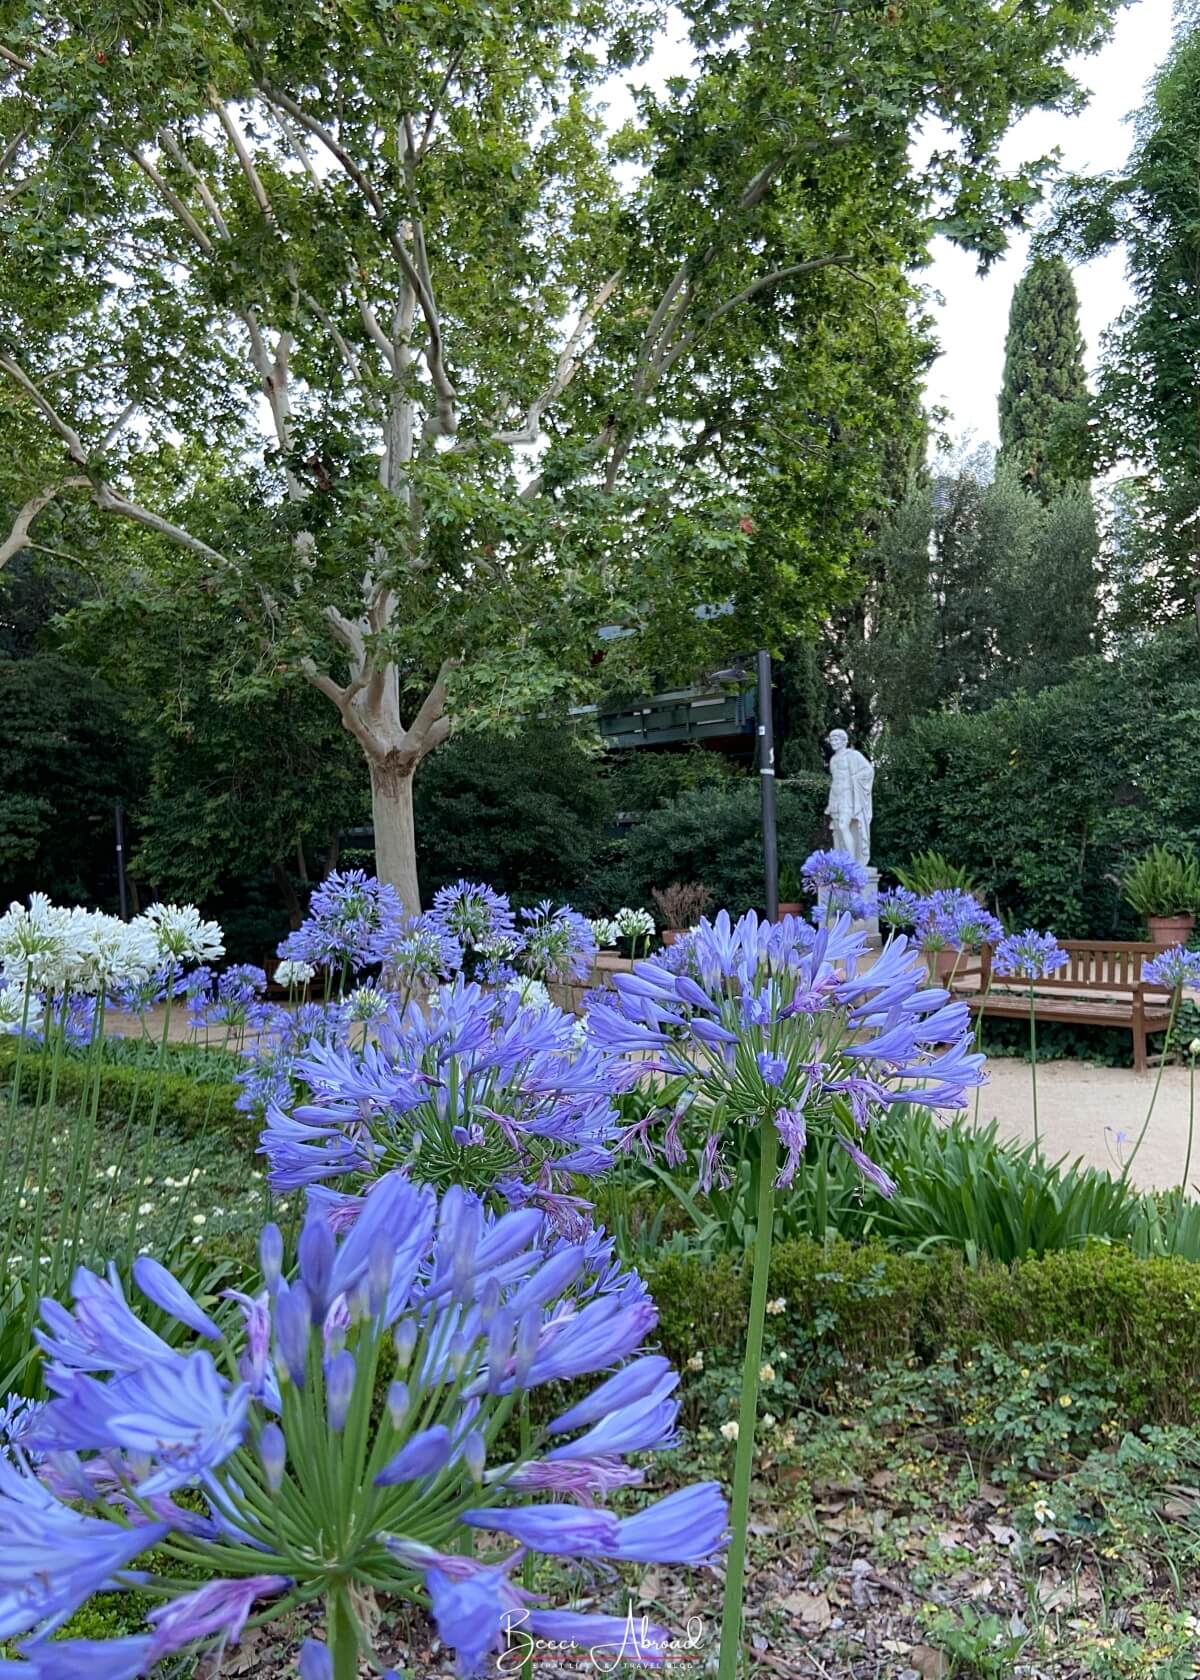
(670, 935)
(791, 907)
(1170, 930)
(944, 964)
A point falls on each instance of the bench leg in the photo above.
(1138, 1026)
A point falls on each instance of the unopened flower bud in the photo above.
(272, 1450)
(475, 1454)
(270, 1254)
(397, 1403)
(293, 1321)
(405, 1340)
(315, 1661)
(380, 1265)
(316, 1251)
(339, 1389)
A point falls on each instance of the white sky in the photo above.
(972, 316)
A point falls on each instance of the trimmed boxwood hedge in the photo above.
(851, 1309)
(183, 1106)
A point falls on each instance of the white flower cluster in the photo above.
(54, 948)
(532, 993)
(634, 924)
(292, 972)
(606, 930)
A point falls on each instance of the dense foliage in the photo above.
(1047, 799)
(1044, 398)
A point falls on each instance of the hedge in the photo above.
(851, 1309)
(185, 1105)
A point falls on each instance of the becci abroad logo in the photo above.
(637, 1643)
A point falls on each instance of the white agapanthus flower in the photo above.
(35, 943)
(292, 972)
(13, 1009)
(365, 1003)
(182, 935)
(532, 993)
(606, 930)
(634, 924)
(105, 952)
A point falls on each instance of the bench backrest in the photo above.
(1096, 965)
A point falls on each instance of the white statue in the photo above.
(849, 809)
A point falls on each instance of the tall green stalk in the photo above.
(1162, 1062)
(1033, 1063)
(342, 1632)
(155, 1106)
(743, 1469)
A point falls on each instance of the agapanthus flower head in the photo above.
(366, 1004)
(897, 908)
(183, 936)
(105, 953)
(1029, 955)
(35, 943)
(352, 919)
(294, 972)
(833, 871)
(280, 1036)
(473, 916)
(807, 1033)
(606, 931)
(558, 943)
(299, 1485)
(634, 923)
(477, 1088)
(1173, 968)
(421, 955)
(952, 920)
(241, 984)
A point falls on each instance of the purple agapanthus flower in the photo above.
(473, 1089)
(840, 882)
(897, 908)
(352, 919)
(473, 916)
(241, 984)
(296, 1471)
(1029, 956)
(953, 920)
(807, 1032)
(1173, 968)
(557, 943)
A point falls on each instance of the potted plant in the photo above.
(790, 891)
(930, 872)
(681, 906)
(1164, 887)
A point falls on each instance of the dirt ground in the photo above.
(1081, 1109)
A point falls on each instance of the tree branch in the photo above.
(18, 537)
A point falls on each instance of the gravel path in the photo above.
(1081, 1108)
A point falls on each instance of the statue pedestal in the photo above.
(870, 924)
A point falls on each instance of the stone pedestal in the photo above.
(870, 924)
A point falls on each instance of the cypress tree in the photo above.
(1044, 398)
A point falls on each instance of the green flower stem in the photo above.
(527, 1560)
(155, 1106)
(1162, 1062)
(342, 1633)
(1187, 1160)
(979, 1035)
(735, 1564)
(1033, 1063)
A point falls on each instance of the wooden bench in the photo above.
(1101, 986)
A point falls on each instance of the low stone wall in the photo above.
(606, 965)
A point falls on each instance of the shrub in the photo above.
(714, 835)
(851, 1309)
(1048, 799)
(186, 1104)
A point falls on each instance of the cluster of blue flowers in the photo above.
(1030, 956)
(776, 1020)
(840, 880)
(478, 1089)
(299, 1485)
(1173, 969)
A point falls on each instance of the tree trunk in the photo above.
(395, 838)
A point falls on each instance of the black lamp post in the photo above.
(765, 730)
